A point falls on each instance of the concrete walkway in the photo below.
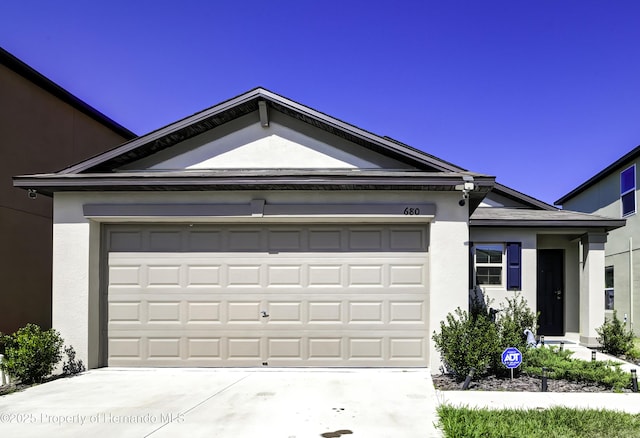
(233, 403)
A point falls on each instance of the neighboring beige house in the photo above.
(262, 232)
(613, 192)
(42, 128)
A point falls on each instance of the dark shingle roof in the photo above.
(520, 217)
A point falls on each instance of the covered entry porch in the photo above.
(562, 265)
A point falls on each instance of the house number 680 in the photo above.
(410, 211)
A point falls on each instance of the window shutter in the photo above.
(514, 266)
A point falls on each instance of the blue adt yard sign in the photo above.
(511, 357)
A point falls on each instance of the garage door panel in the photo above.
(406, 275)
(407, 240)
(203, 348)
(244, 348)
(129, 348)
(125, 311)
(164, 348)
(125, 241)
(369, 276)
(163, 275)
(163, 311)
(243, 312)
(125, 276)
(244, 276)
(290, 348)
(325, 240)
(210, 241)
(402, 348)
(325, 348)
(365, 240)
(203, 312)
(407, 311)
(284, 276)
(291, 296)
(325, 276)
(285, 312)
(370, 348)
(245, 240)
(203, 276)
(285, 240)
(366, 312)
(164, 240)
(325, 312)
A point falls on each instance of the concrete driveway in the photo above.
(278, 403)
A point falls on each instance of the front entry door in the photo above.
(550, 294)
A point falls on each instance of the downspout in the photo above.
(631, 283)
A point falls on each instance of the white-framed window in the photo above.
(628, 191)
(608, 288)
(489, 264)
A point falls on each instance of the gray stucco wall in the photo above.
(603, 199)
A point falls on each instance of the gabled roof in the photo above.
(239, 106)
(104, 164)
(521, 197)
(22, 69)
(615, 166)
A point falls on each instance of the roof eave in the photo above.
(632, 155)
(607, 224)
(49, 184)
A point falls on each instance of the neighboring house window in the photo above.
(488, 264)
(628, 191)
(492, 260)
(608, 288)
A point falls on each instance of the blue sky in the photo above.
(541, 94)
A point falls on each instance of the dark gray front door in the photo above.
(550, 295)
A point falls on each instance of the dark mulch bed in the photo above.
(15, 387)
(446, 382)
(12, 387)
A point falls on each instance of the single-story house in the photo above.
(43, 128)
(613, 192)
(261, 232)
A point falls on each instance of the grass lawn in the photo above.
(548, 423)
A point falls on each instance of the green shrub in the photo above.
(31, 354)
(614, 337)
(514, 318)
(633, 354)
(473, 339)
(560, 365)
(72, 366)
(467, 341)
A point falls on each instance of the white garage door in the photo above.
(267, 296)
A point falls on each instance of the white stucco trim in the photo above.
(591, 287)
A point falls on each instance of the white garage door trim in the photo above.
(285, 295)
